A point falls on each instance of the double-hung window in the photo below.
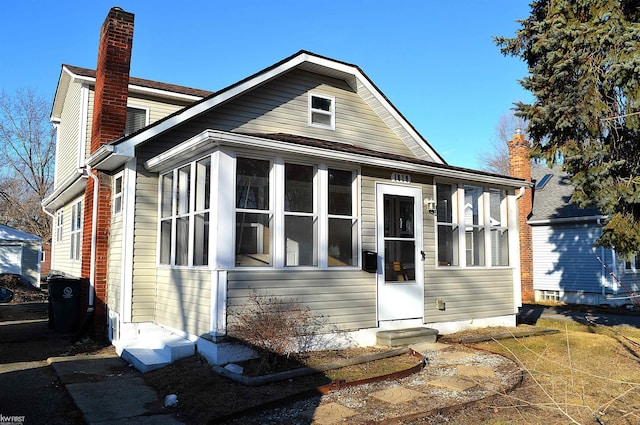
(499, 227)
(76, 231)
(59, 225)
(481, 236)
(343, 222)
(253, 212)
(322, 111)
(633, 265)
(117, 194)
(474, 226)
(184, 214)
(300, 215)
(136, 119)
(447, 219)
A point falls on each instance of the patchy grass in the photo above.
(581, 375)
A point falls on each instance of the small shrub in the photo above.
(278, 328)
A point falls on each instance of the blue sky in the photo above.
(435, 60)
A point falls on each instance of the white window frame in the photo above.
(458, 213)
(59, 225)
(331, 113)
(118, 197)
(313, 214)
(75, 245)
(190, 213)
(277, 213)
(146, 116)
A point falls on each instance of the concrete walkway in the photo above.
(109, 392)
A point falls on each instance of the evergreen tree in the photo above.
(584, 72)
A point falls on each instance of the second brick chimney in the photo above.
(520, 167)
(109, 122)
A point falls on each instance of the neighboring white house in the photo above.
(20, 253)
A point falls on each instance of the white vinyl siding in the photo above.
(68, 148)
(114, 258)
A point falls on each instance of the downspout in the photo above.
(94, 231)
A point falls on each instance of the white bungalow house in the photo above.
(301, 180)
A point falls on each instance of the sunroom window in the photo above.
(321, 111)
(300, 217)
(184, 215)
(474, 226)
(343, 223)
(481, 237)
(253, 214)
(499, 229)
(447, 217)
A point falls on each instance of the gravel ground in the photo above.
(371, 410)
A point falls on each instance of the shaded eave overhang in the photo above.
(70, 188)
(209, 140)
(302, 60)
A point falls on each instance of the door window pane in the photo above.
(398, 216)
(399, 260)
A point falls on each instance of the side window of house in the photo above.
(322, 111)
(253, 213)
(633, 265)
(447, 219)
(117, 194)
(343, 222)
(300, 215)
(76, 231)
(136, 119)
(184, 214)
(59, 224)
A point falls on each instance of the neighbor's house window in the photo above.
(76, 231)
(253, 213)
(136, 119)
(482, 234)
(499, 230)
(59, 224)
(184, 214)
(343, 221)
(633, 265)
(322, 111)
(117, 195)
(300, 216)
(447, 219)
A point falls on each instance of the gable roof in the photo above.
(352, 74)
(71, 73)
(552, 202)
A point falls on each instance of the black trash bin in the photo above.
(64, 303)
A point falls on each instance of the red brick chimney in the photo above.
(109, 121)
(520, 166)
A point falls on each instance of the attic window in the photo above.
(543, 181)
(136, 119)
(322, 111)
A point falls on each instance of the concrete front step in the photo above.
(154, 348)
(400, 337)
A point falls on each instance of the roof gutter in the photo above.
(568, 220)
(210, 139)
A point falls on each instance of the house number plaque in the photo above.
(401, 178)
